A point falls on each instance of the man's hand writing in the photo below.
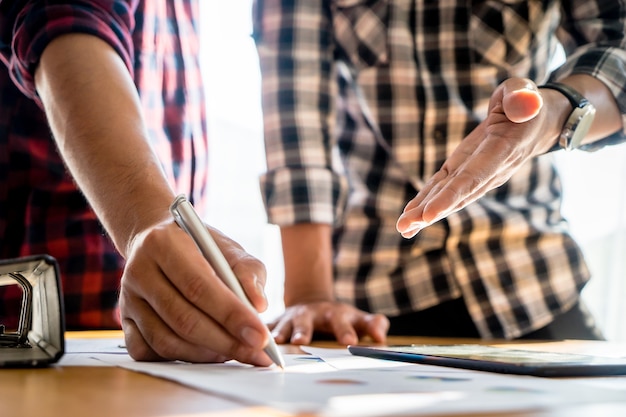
(174, 306)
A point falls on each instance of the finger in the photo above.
(302, 326)
(412, 219)
(136, 345)
(341, 323)
(251, 274)
(426, 190)
(521, 103)
(250, 271)
(158, 342)
(282, 330)
(150, 336)
(201, 287)
(176, 349)
(494, 154)
(440, 200)
(449, 198)
(494, 183)
(272, 324)
(376, 326)
(203, 328)
(498, 180)
(181, 314)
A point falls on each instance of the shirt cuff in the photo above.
(306, 195)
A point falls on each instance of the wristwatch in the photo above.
(579, 121)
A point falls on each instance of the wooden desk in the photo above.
(72, 391)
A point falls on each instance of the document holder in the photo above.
(38, 339)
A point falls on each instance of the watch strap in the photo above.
(574, 97)
(578, 102)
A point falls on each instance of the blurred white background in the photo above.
(595, 184)
(237, 154)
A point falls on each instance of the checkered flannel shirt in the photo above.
(422, 72)
(41, 210)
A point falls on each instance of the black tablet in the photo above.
(498, 359)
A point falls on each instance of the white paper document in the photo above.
(333, 383)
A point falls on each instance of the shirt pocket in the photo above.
(360, 28)
(504, 33)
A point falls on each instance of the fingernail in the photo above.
(252, 337)
(414, 227)
(297, 337)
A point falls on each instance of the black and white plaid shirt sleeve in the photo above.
(421, 73)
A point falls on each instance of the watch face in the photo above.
(577, 126)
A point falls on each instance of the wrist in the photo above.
(579, 120)
(557, 109)
(307, 253)
(308, 286)
(308, 298)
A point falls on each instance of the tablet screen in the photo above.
(498, 359)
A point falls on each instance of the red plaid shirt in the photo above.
(41, 210)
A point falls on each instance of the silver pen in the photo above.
(188, 220)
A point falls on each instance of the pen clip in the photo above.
(178, 218)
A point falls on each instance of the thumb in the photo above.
(521, 104)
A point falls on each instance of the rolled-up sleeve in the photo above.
(29, 26)
(593, 34)
(295, 45)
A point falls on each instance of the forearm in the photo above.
(95, 116)
(608, 119)
(307, 250)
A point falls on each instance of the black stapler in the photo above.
(37, 339)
